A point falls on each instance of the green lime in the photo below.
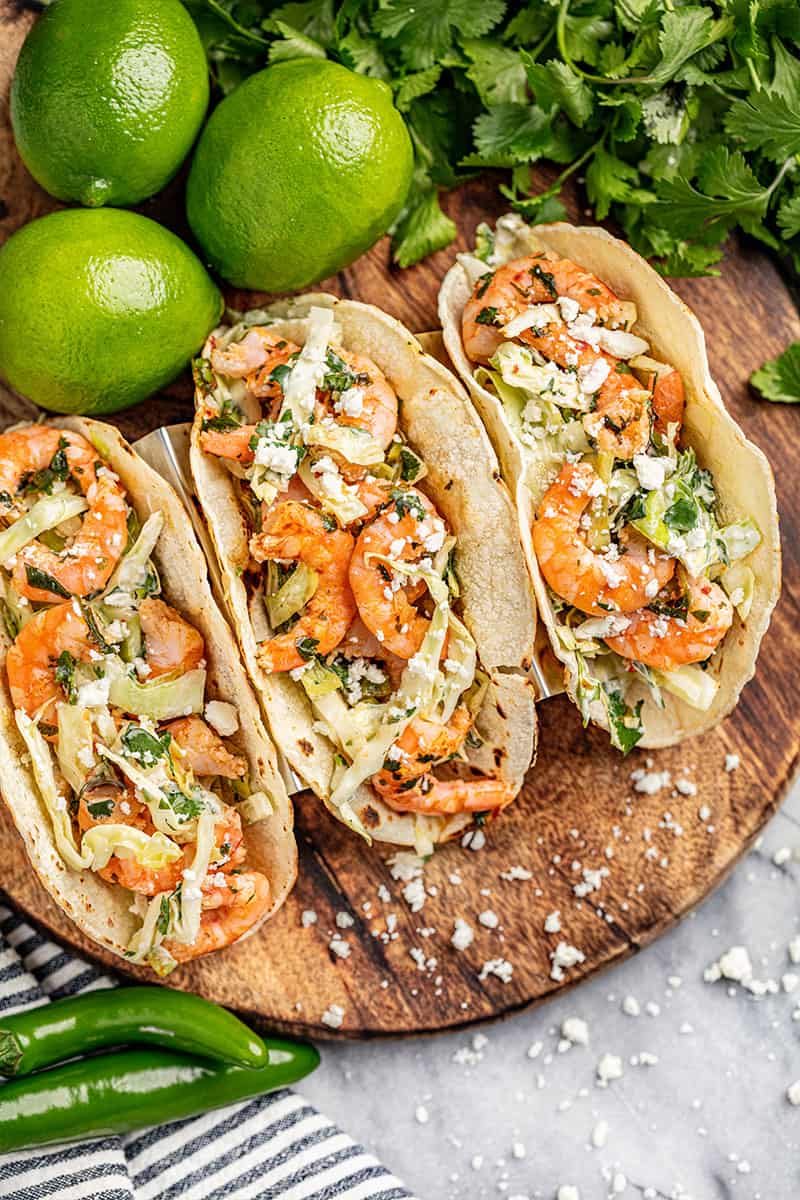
(108, 98)
(99, 309)
(301, 169)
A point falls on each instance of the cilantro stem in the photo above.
(537, 49)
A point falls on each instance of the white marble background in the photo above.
(710, 1120)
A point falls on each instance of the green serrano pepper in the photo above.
(131, 1089)
(156, 1016)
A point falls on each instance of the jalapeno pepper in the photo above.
(121, 1016)
(130, 1089)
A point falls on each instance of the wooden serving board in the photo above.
(578, 805)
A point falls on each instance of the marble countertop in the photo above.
(700, 1111)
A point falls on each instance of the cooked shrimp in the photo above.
(33, 459)
(666, 643)
(374, 494)
(593, 582)
(369, 403)
(254, 358)
(620, 422)
(249, 901)
(448, 797)
(409, 530)
(669, 400)
(204, 751)
(294, 532)
(115, 804)
(171, 643)
(539, 278)
(421, 745)
(359, 642)
(33, 659)
(233, 444)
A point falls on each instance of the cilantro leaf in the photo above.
(779, 379)
(496, 70)
(609, 179)
(789, 217)
(767, 123)
(423, 29)
(729, 188)
(556, 85)
(422, 228)
(509, 132)
(684, 32)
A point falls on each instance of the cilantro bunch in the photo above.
(681, 120)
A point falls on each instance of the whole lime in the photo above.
(99, 308)
(301, 169)
(108, 98)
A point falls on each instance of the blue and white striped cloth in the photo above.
(275, 1147)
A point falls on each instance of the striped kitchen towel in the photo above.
(277, 1146)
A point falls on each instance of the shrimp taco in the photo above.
(648, 518)
(372, 563)
(133, 755)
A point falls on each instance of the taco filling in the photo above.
(643, 574)
(109, 689)
(353, 570)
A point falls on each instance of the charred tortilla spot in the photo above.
(305, 745)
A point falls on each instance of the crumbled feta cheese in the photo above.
(793, 1093)
(650, 782)
(282, 460)
(489, 918)
(333, 1016)
(463, 934)
(609, 1068)
(414, 894)
(344, 920)
(563, 957)
(576, 1031)
(568, 1192)
(351, 402)
(499, 967)
(732, 762)
(552, 922)
(794, 949)
(421, 1115)
(405, 865)
(514, 873)
(592, 378)
(222, 716)
(600, 1135)
(651, 471)
(308, 917)
(339, 947)
(568, 308)
(95, 693)
(630, 1006)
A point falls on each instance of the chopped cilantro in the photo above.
(407, 502)
(487, 316)
(100, 808)
(203, 375)
(147, 748)
(65, 675)
(56, 471)
(162, 924)
(307, 647)
(40, 579)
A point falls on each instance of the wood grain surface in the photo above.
(579, 809)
